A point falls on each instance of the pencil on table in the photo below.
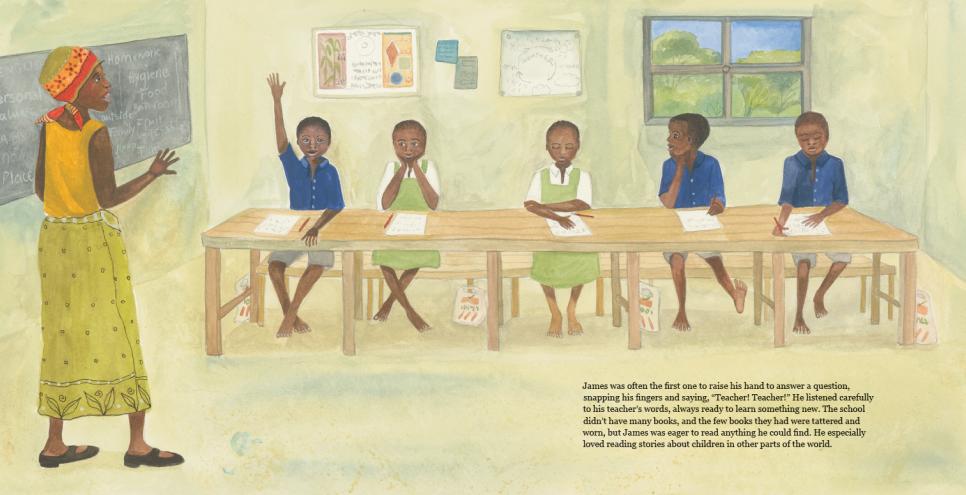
(388, 220)
(303, 223)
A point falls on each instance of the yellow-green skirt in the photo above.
(91, 363)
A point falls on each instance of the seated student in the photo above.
(313, 185)
(812, 177)
(562, 188)
(409, 184)
(689, 179)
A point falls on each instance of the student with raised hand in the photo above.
(92, 362)
(560, 187)
(409, 184)
(691, 179)
(313, 185)
(812, 177)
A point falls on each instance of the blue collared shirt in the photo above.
(829, 187)
(305, 193)
(698, 185)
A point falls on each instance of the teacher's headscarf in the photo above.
(66, 69)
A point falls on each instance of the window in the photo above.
(732, 70)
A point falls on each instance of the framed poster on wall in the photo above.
(372, 61)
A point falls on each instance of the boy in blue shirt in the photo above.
(812, 177)
(689, 179)
(313, 185)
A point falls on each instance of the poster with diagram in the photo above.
(540, 63)
(365, 61)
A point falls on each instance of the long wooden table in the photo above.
(630, 230)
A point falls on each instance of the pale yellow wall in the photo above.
(944, 230)
(869, 78)
(163, 223)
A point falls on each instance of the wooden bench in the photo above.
(747, 266)
(470, 266)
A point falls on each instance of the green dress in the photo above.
(410, 198)
(561, 270)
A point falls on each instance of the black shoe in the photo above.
(52, 461)
(152, 458)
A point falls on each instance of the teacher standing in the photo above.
(91, 363)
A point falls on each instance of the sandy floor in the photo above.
(437, 413)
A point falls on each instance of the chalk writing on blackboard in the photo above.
(540, 63)
(150, 108)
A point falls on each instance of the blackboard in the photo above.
(149, 107)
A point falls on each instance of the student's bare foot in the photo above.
(301, 326)
(681, 323)
(741, 290)
(573, 326)
(556, 326)
(382, 314)
(820, 310)
(285, 329)
(801, 327)
(418, 322)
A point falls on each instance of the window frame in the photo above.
(727, 69)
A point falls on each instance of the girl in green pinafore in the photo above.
(562, 188)
(410, 184)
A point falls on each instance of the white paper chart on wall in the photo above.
(540, 63)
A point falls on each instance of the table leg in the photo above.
(499, 264)
(633, 301)
(212, 301)
(907, 308)
(348, 303)
(599, 296)
(778, 295)
(357, 281)
(254, 258)
(494, 280)
(876, 287)
(757, 270)
(615, 289)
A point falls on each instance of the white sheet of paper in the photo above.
(407, 224)
(277, 224)
(796, 227)
(580, 228)
(697, 220)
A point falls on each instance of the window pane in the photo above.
(674, 94)
(776, 94)
(685, 42)
(766, 42)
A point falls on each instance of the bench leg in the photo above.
(863, 289)
(381, 299)
(212, 301)
(600, 296)
(514, 297)
(615, 289)
(876, 287)
(469, 282)
(758, 277)
(368, 299)
(778, 296)
(892, 295)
